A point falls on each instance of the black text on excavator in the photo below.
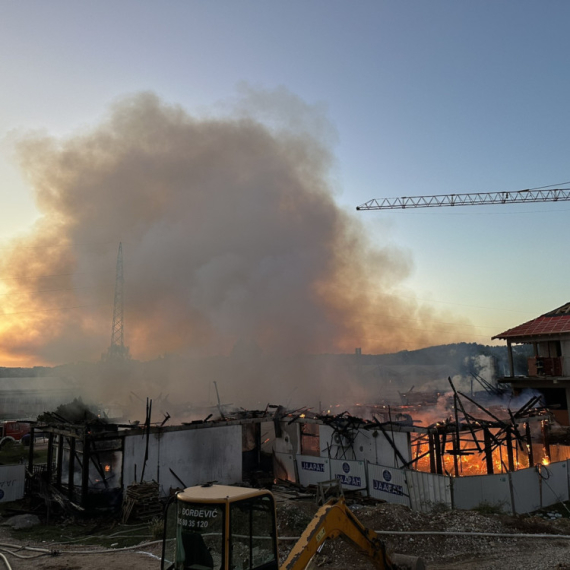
(220, 527)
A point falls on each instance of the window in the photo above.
(200, 530)
(253, 543)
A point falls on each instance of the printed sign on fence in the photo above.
(11, 482)
(388, 484)
(352, 474)
(312, 470)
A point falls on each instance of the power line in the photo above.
(48, 290)
(461, 305)
(56, 275)
(56, 309)
(52, 246)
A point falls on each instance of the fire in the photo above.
(471, 461)
(107, 468)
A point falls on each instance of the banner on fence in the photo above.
(313, 470)
(12, 482)
(352, 474)
(388, 484)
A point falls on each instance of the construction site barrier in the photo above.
(554, 483)
(479, 490)
(516, 492)
(12, 482)
(351, 474)
(428, 490)
(525, 485)
(388, 484)
(313, 470)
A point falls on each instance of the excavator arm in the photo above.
(334, 520)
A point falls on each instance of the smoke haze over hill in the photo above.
(230, 231)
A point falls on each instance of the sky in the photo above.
(424, 98)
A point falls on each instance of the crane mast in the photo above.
(472, 199)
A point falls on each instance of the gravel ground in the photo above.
(439, 552)
(445, 552)
(66, 561)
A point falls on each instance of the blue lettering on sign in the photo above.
(310, 466)
(387, 487)
(351, 480)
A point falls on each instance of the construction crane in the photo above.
(473, 199)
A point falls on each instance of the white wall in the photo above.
(289, 440)
(367, 446)
(196, 456)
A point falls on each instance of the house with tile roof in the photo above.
(549, 367)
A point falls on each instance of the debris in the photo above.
(22, 521)
(142, 502)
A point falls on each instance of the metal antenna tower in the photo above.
(118, 351)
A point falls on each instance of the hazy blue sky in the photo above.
(427, 97)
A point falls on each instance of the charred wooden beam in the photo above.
(71, 469)
(465, 415)
(501, 422)
(437, 447)
(85, 472)
(510, 457)
(391, 442)
(529, 445)
(431, 454)
(50, 457)
(59, 461)
(545, 429)
(488, 451)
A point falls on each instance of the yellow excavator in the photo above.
(218, 527)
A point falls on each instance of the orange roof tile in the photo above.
(553, 322)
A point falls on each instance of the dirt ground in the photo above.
(445, 552)
(145, 558)
(439, 552)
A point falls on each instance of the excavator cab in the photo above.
(217, 527)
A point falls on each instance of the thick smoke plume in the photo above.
(230, 233)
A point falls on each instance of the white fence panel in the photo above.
(388, 484)
(526, 490)
(473, 491)
(428, 489)
(352, 474)
(12, 479)
(554, 483)
(313, 470)
(284, 466)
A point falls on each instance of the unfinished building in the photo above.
(549, 367)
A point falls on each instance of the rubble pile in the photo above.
(436, 550)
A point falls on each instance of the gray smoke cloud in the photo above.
(230, 231)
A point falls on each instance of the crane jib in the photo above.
(471, 199)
